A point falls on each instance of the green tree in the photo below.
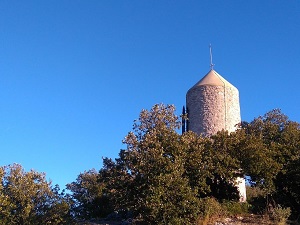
(27, 198)
(269, 144)
(269, 151)
(287, 187)
(162, 175)
(210, 165)
(165, 178)
(89, 196)
(148, 178)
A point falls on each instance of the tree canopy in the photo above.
(28, 198)
(163, 177)
(162, 171)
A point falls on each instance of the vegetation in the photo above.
(166, 178)
(88, 196)
(163, 177)
(27, 198)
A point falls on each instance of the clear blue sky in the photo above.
(75, 74)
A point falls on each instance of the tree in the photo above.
(89, 196)
(287, 187)
(269, 150)
(27, 198)
(268, 144)
(162, 175)
(166, 178)
(148, 179)
(210, 165)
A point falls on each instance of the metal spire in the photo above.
(183, 120)
(211, 63)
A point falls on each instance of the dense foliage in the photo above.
(163, 177)
(88, 195)
(27, 198)
(271, 156)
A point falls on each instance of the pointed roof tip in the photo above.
(214, 79)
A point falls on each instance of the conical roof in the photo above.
(212, 78)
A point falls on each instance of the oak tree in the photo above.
(28, 198)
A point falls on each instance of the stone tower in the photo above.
(212, 105)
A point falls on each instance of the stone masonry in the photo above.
(213, 106)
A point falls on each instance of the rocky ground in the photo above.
(238, 220)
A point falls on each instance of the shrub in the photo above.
(280, 214)
(234, 208)
(210, 209)
(213, 208)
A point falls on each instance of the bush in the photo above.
(254, 192)
(234, 208)
(210, 209)
(28, 198)
(213, 208)
(280, 214)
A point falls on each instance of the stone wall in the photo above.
(213, 108)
